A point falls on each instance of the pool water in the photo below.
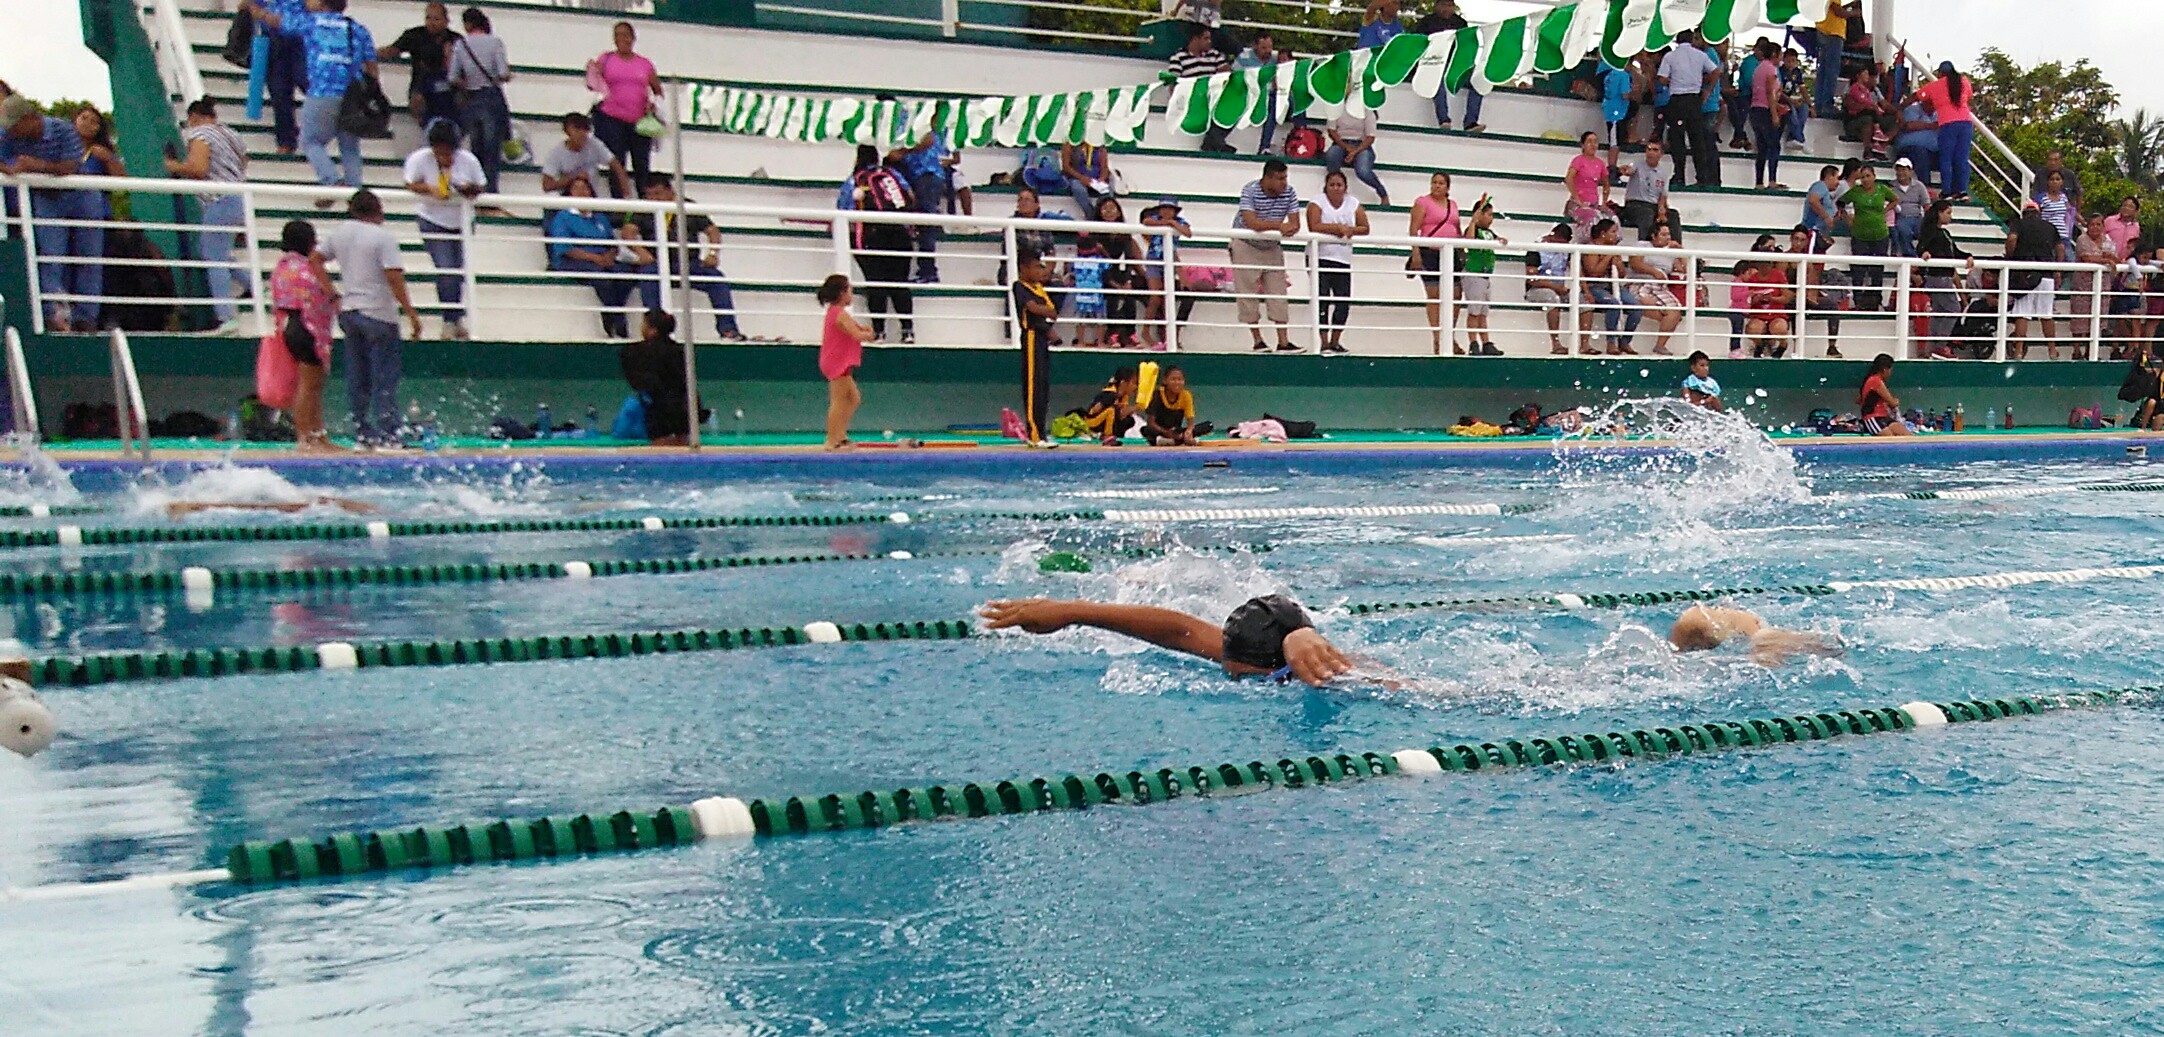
(1981, 878)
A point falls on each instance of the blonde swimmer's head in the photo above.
(1701, 628)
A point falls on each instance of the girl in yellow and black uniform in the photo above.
(1110, 412)
(1037, 312)
(1169, 420)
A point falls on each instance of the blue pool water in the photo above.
(1983, 878)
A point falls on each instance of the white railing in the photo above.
(128, 399)
(175, 54)
(643, 8)
(24, 402)
(509, 291)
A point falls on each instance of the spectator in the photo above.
(1699, 388)
(285, 75)
(882, 249)
(445, 176)
(216, 154)
(1616, 109)
(1601, 276)
(1826, 291)
(1870, 116)
(1445, 18)
(1547, 284)
(1434, 215)
(2124, 227)
(1911, 197)
(2059, 210)
(100, 158)
(1088, 169)
(1163, 262)
(701, 264)
(1935, 244)
(1832, 44)
(1110, 413)
(1028, 206)
(654, 368)
(1086, 303)
(1656, 284)
(1645, 196)
(1871, 235)
(1821, 204)
(1379, 24)
(1688, 73)
(1476, 284)
(1122, 279)
(427, 49)
(2095, 248)
(1771, 298)
(1880, 410)
(1585, 186)
(1764, 87)
(929, 168)
(1198, 58)
(2033, 240)
(1352, 141)
(628, 84)
(340, 52)
(1709, 110)
(34, 143)
(306, 308)
(373, 279)
(1169, 417)
(1795, 109)
(584, 241)
(1263, 53)
(1948, 98)
(479, 69)
(841, 352)
(2055, 162)
(1337, 217)
(1207, 14)
(582, 156)
(1267, 206)
(1764, 52)
(1037, 313)
(1917, 140)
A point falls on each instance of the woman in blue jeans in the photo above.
(479, 68)
(1352, 142)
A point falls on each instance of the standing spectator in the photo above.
(2095, 248)
(1585, 186)
(306, 308)
(1826, 291)
(1379, 24)
(841, 352)
(1832, 44)
(216, 154)
(1616, 109)
(1341, 219)
(1352, 141)
(1870, 116)
(1434, 215)
(2055, 162)
(100, 158)
(2124, 227)
(2032, 241)
(1912, 197)
(2059, 210)
(446, 177)
(929, 166)
(1029, 206)
(1917, 140)
(1870, 235)
(1037, 313)
(1709, 110)
(1163, 263)
(34, 143)
(1445, 18)
(340, 52)
(479, 69)
(1764, 52)
(1196, 59)
(1121, 278)
(1088, 169)
(285, 76)
(582, 156)
(1688, 73)
(373, 278)
(1764, 88)
(1263, 53)
(1547, 284)
(628, 84)
(882, 249)
(1935, 244)
(700, 265)
(427, 49)
(1821, 204)
(1645, 196)
(1267, 206)
(1948, 97)
(1477, 284)
(1794, 104)
(584, 241)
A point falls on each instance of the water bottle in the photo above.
(232, 425)
(2009, 415)
(1991, 417)
(593, 418)
(543, 422)
(1960, 419)
(412, 432)
(431, 436)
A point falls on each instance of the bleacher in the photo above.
(771, 261)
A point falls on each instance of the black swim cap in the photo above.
(1255, 632)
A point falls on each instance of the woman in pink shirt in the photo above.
(1948, 97)
(1434, 216)
(1586, 182)
(627, 83)
(2123, 228)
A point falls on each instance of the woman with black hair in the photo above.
(1879, 408)
(883, 250)
(479, 67)
(2033, 240)
(1934, 243)
(306, 309)
(1123, 279)
(1948, 97)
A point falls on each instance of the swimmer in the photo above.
(185, 508)
(1268, 636)
(1703, 628)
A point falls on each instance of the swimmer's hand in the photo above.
(1772, 647)
(1036, 615)
(1313, 658)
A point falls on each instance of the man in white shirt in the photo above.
(446, 176)
(1688, 72)
(372, 294)
(583, 155)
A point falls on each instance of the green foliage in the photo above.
(63, 107)
(2071, 103)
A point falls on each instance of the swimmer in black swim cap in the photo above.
(1266, 636)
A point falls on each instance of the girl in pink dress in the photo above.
(1587, 183)
(841, 352)
(300, 293)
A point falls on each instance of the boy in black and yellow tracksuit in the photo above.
(1037, 312)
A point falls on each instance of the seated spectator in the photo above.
(1169, 420)
(1869, 116)
(1699, 388)
(1645, 197)
(1445, 18)
(1771, 298)
(427, 47)
(1199, 58)
(1088, 169)
(1263, 53)
(1109, 413)
(445, 176)
(700, 263)
(654, 368)
(1877, 405)
(1605, 295)
(1352, 140)
(1916, 138)
(584, 241)
(1039, 243)
(34, 143)
(1826, 293)
(582, 156)
(1547, 284)
(1659, 284)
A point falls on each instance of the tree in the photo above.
(2141, 148)
(2071, 104)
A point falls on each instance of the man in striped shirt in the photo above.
(1198, 58)
(1267, 206)
(215, 153)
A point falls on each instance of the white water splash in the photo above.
(40, 481)
(1716, 470)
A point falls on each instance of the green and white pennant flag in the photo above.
(1508, 47)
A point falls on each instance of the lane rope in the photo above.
(2007, 492)
(354, 854)
(48, 510)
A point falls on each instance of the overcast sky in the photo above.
(45, 57)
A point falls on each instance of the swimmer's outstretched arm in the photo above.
(1164, 628)
(1772, 646)
(183, 508)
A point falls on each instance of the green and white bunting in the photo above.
(1481, 57)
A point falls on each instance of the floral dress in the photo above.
(293, 286)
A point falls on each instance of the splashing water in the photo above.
(1709, 469)
(41, 480)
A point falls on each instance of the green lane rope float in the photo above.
(355, 854)
(48, 510)
(2003, 492)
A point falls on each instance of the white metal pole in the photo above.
(1013, 266)
(2096, 316)
(30, 249)
(1691, 284)
(1311, 259)
(683, 239)
(1998, 350)
(1576, 286)
(466, 220)
(950, 17)
(1172, 291)
(26, 401)
(1447, 293)
(257, 298)
(1901, 335)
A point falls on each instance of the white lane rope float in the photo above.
(1225, 514)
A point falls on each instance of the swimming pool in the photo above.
(1980, 876)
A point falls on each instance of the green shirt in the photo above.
(1481, 260)
(1871, 206)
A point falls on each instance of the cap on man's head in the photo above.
(15, 108)
(1255, 632)
(1903, 163)
(1169, 203)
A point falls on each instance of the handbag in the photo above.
(364, 111)
(277, 375)
(239, 38)
(650, 124)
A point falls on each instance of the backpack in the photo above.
(882, 191)
(1294, 429)
(240, 39)
(1305, 142)
(1041, 171)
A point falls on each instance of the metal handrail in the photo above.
(128, 396)
(187, 76)
(2021, 176)
(19, 393)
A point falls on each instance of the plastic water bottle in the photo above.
(544, 423)
(2009, 415)
(1991, 417)
(1960, 419)
(431, 437)
(232, 425)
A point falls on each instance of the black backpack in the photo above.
(240, 39)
